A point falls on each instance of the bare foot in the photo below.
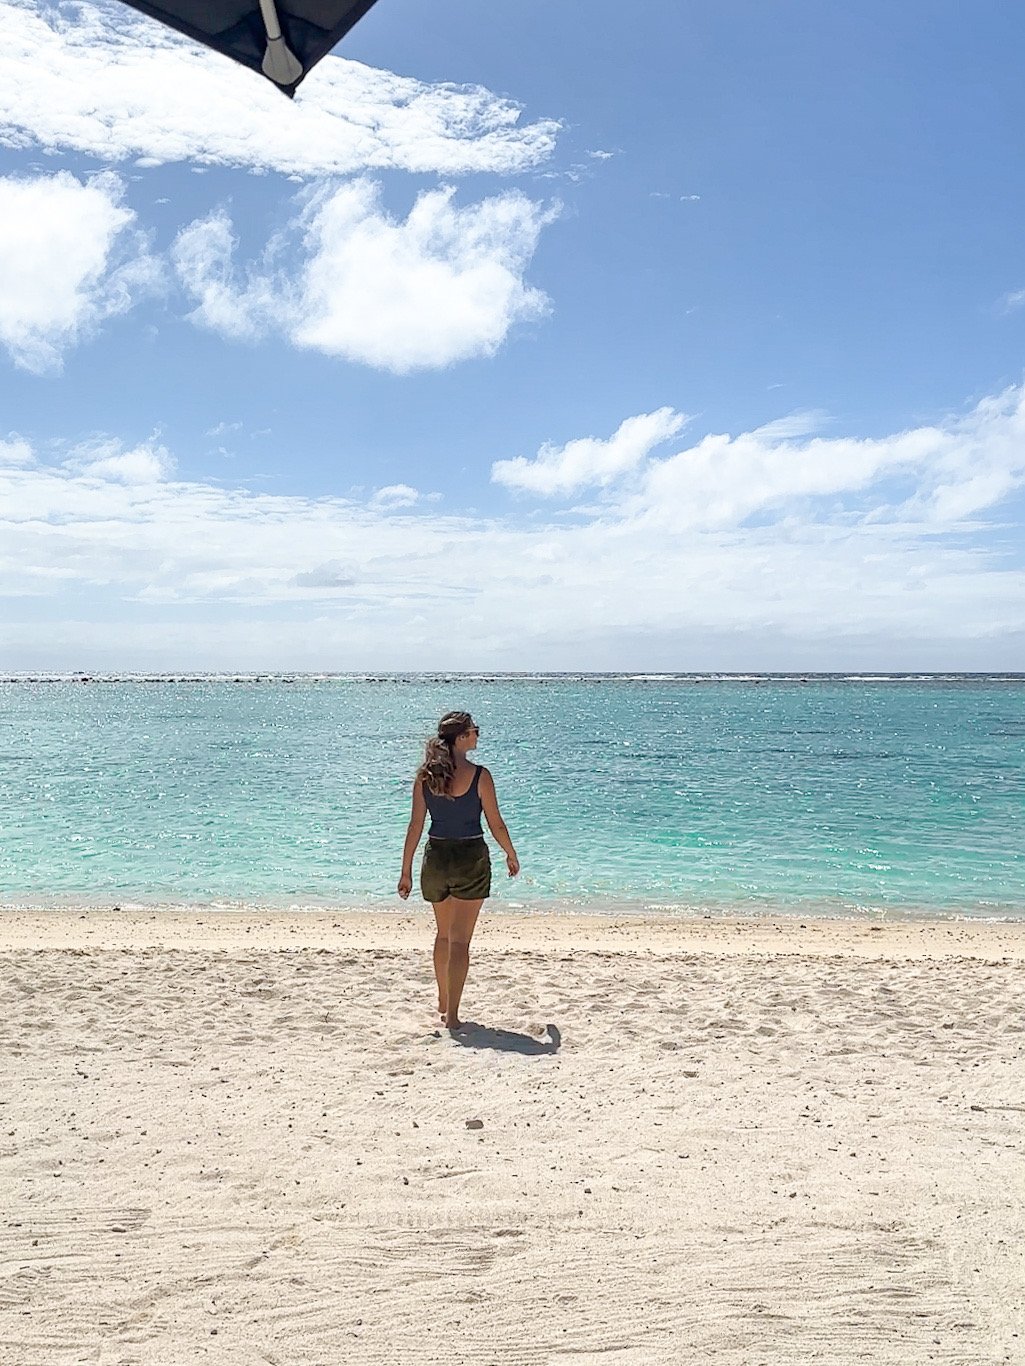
(453, 1022)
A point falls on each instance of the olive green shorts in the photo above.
(460, 868)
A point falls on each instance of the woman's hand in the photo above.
(513, 864)
(405, 885)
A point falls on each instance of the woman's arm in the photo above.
(413, 833)
(497, 826)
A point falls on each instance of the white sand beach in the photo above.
(242, 1138)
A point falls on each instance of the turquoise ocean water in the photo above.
(837, 795)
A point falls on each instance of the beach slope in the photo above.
(244, 1138)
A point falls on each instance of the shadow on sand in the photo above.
(472, 1035)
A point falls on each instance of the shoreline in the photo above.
(816, 937)
(506, 903)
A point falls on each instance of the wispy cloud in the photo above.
(803, 422)
(102, 79)
(349, 280)
(746, 537)
(70, 257)
(950, 472)
(242, 305)
(589, 462)
(1010, 303)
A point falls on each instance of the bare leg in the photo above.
(443, 917)
(464, 919)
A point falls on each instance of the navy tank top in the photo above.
(455, 818)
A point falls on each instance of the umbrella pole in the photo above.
(280, 64)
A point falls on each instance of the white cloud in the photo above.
(589, 461)
(396, 496)
(759, 551)
(240, 309)
(145, 464)
(16, 451)
(1012, 301)
(444, 285)
(102, 79)
(441, 286)
(332, 574)
(723, 480)
(69, 258)
(954, 470)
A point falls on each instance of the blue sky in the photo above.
(530, 341)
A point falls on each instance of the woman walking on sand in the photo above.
(456, 872)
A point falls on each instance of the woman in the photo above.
(456, 872)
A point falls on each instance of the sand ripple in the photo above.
(248, 1153)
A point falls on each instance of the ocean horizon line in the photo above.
(508, 675)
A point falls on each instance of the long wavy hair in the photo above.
(439, 753)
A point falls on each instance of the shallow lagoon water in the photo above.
(676, 793)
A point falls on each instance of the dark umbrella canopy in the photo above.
(282, 39)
